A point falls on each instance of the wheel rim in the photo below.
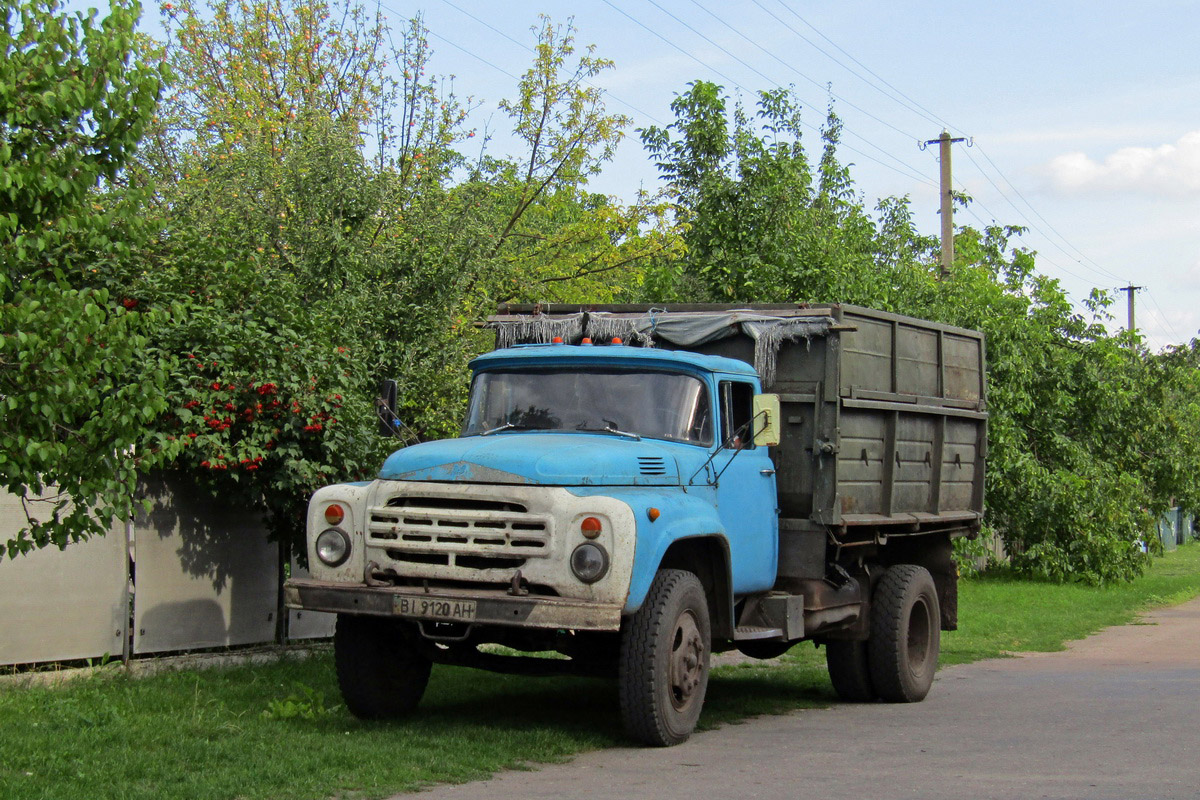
(920, 629)
(687, 661)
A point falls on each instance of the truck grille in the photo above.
(459, 531)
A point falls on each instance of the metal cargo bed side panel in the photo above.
(911, 422)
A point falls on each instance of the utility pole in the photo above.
(1130, 290)
(944, 141)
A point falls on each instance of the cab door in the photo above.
(746, 499)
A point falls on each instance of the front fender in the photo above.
(352, 498)
(682, 515)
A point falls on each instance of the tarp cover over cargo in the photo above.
(884, 416)
(683, 329)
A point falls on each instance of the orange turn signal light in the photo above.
(590, 527)
(653, 514)
(334, 514)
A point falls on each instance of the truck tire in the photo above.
(380, 673)
(850, 671)
(663, 669)
(905, 634)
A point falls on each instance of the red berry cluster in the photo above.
(227, 414)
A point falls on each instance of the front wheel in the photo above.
(380, 673)
(663, 670)
(905, 634)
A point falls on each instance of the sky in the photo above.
(1082, 116)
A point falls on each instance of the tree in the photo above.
(1086, 441)
(321, 234)
(766, 223)
(77, 382)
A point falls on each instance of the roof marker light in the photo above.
(556, 340)
(617, 340)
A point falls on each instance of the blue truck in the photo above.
(638, 487)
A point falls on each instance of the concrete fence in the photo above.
(190, 574)
(1176, 527)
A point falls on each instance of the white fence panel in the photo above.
(61, 605)
(206, 575)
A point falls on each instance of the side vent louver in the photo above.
(652, 465)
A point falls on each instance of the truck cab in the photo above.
(581, 470)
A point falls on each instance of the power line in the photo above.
(1162, 315)
(526, 47)
(912, 173)
(969, 207)
(813, 81)
(475, 56)
(1030, 225)
(915, 107)
(1046, 222)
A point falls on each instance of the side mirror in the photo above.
(766, 420)
(385, 408)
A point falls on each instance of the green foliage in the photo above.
(75, 98)
(78, 378)
(1087, 440)
(305, 703)
(764, 223)
(314, 225)
(255, 69)
(315, 259)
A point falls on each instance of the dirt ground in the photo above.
(1116, 715)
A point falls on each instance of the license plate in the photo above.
(435, 608)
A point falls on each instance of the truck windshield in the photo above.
(657, 405)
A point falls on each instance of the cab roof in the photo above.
(610, 355)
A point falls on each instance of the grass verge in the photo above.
(280, 730)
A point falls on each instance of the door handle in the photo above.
(766, 472)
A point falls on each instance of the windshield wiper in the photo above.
(509, 426)
(609, 427)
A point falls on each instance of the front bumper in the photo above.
(492, 607)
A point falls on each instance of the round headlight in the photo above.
(333, 547)
(589, 562)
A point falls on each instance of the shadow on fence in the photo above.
(191, 574)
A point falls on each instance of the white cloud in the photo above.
(1169, 169)
(1046, 135)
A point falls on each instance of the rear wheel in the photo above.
(381, 674)
(850, 671)
(663, 669)
(905, 634)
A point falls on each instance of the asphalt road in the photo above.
(1117, 715)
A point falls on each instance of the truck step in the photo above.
(747, 632)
